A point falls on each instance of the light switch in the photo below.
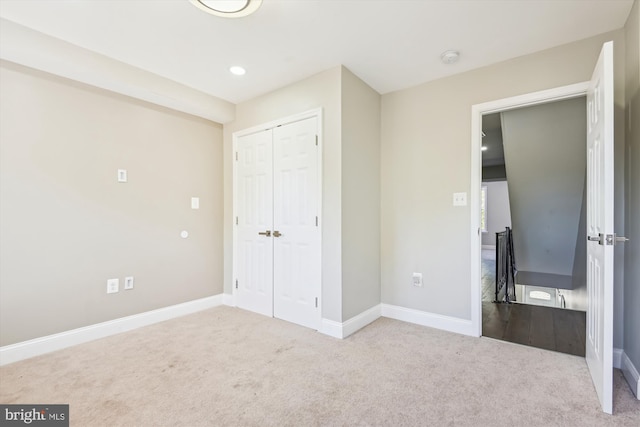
(122, 175)
(459, 199)
(195, 203)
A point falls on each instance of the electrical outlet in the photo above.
(113, 286)
(417, 279)
(128, 282)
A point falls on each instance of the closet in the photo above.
(277, 234)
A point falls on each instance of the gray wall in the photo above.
(67, 225)
(421, 230)
(498, 210)
(632, 248)
(494, 173)
(545, 157)
(360, 196)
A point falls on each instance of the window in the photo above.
(483, 209)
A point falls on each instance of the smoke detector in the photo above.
(450, 56)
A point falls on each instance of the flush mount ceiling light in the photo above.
(237, 70)
(228, 8)
(450, 56)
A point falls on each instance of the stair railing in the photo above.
(505, 267)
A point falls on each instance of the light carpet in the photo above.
(229, 367)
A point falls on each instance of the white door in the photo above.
(296, 235)
(599, 342)
(254, 209)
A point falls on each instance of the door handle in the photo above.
(265, 233)
(607, 239)
(276, 233)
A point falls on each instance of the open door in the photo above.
(600, 235)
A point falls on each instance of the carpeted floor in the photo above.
(228, 367)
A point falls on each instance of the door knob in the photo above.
(276, 233)
(607, 239)
(265, 233)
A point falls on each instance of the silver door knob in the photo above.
(276, 233)
(265, 233)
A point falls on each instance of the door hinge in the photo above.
(316, 302)
(316, 221)
(316, 140)
(236, 220)
(236, 284)
(236, 156)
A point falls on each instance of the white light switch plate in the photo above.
(122, 175)
(195, 203)
(459, 199)
(128, 282)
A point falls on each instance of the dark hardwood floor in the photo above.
(550, 328)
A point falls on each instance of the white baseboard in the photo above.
(617, 358)
(344, 329)
(629, 370)
(331, 328)
(227, 299)
(35, 347)
(438, 321)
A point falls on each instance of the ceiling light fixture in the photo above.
(237, 70)
(228, 8)
(450, 56)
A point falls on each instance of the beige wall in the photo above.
(319, 91)
(360, 196)
(66, 224)
(426, 136)
(632, 248)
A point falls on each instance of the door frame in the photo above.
(317, 113)
(477, 111)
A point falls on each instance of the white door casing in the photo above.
(254, 213)
(600, 203)
(296, 233)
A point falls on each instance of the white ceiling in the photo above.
(390, 44)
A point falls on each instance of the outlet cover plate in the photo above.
(417, 279)
(113, 286)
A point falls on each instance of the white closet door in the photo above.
(254, 204)
(296, 232)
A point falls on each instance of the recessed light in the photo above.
(450, 56)
(485, 148)
(237, 70)
(228, 8)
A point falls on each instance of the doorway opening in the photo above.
(533, 187)
(534, 204)
(496, 179)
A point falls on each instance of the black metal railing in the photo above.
(505, 267)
